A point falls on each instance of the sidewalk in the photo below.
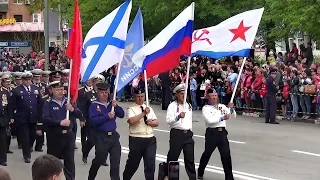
(278, 117)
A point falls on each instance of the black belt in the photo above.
(217, 128)
(183, 131)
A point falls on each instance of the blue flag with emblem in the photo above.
(104, 44)
(135, 41)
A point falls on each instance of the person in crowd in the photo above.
(47, 167)
(142, 142)
(102, 115)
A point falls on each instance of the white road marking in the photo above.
(304, 152)
(213, 169)
(199, 136)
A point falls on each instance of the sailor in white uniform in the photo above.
(216, 115)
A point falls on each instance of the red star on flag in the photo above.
(239, 32)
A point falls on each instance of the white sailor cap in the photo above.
(6, 77)
(46, 73)
(65, 71)
(17, 75)
(26, 75)
(179, 88)
(99, 77)
(55, 84)
(36, 72)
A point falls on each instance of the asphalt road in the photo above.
(289, 151)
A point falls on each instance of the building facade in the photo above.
(23, 31)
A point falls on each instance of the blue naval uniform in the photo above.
(26, 114)
(106, 137)
(60, 139)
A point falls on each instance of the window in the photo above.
(18, 18)
(36, 18)
(3, 1)
(18, 1)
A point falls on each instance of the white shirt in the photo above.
(174, 109)
(214, 115)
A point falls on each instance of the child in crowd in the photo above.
(286, 99)
(263, 93)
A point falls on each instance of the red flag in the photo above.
(74, 51)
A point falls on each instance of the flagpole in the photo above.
(146, 87)
(116, 84)
(238, 80)
(186, 84)
(68, 95)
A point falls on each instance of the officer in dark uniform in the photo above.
(87, 133)
(26, 100)
(272, 90)
(107, 138)
(6, 86)
(36, 80)
(17, 81)
(55, 76)
(60, 136)
(4, 124)
(166, 89)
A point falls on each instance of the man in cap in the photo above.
(4, 125)
(55, 76)
(142, 142)
(216, 115)
(179, 119)
(60, 137)
(88, 96)
(45, 78)
(26, 100)
(16, 79)
(102, 115)
(6, 87)
(272, 90)
(36, 80)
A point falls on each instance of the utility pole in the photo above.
(46, 34)
(61, 26)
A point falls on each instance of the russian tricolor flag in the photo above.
(163, 52)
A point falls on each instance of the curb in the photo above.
(309, 121)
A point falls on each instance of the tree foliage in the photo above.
(281, 19)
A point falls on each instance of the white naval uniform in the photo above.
(173, 111)
(214, 115)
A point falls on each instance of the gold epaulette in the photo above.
(45, 96)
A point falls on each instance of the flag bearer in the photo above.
(216, 115)
(60, 137)
(4, 124)
(26, 100)
(106, 136)
(142, 142)
(86, 96)
(180, 122)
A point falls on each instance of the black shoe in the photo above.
(19, 146)
(3, 164)
(275, 122)
(84, 160)
(200, 177)
(9, 152)
(266, 122)
(105, 164)
(38, 150)
(26, 160)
